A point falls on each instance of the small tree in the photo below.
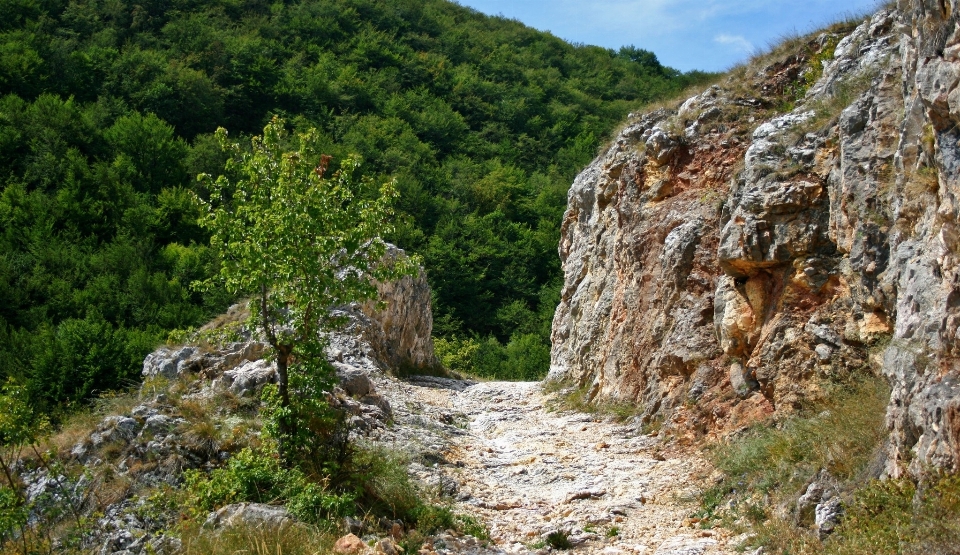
(295, 241)
(20, 428)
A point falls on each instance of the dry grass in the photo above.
(293, 539)
(78, 426)
(112, 489)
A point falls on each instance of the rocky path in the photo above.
(526, 470)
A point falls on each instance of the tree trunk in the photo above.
(283, 361)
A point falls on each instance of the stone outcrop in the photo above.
(391, 334)
(731, 245)
(400, 332)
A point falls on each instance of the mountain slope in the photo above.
(106, 110)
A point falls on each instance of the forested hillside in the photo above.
(107, 110)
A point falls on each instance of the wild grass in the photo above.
(841, 436)
(566, 397)
(78, 425)
(294, 539)
(891, 516)
(769, 466)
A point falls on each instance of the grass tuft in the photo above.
(577, 399)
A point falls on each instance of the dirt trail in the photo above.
(526, 471)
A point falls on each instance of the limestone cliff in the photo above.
(794, 223)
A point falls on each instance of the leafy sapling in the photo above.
(297, 242)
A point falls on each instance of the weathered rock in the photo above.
(353, 525)
(399, 334)
(255, 515)
(387, 546)
(160, 424)
(167, 363)
(378, 401)
(807, 503)
(349, 544)
(248, 378)
(827, 516)
(354, 381)
(840, 228)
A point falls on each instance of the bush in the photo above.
(840, 435)
(257, 476)
(770, 464)
(525, 357)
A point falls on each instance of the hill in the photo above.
(106, 115)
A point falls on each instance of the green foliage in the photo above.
(296, 240)
(577, 398)
(20, 427)
(524, 357)
(839, 436)
(299, 243)
(882, 516)
(98, 246)
(13, 514)
(770, 465)
(258, 476)
(558, 540)
(107, 108)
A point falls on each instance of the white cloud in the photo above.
(656, 16)
(736, 41)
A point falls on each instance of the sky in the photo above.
(710, 35)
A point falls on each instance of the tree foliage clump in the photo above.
(297, 242)
(108, 108)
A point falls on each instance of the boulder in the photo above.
(354, 381)
(248, 378)
(167, 363)
(254, 515)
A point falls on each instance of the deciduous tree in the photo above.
(296, 241)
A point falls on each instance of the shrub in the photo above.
(525, 357)
(898, 516)
(770, 464)
(257, 476)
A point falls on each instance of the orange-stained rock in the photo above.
(349, 545)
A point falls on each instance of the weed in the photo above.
(473, 527)
(652, 426)
(558, 540)
(827, 108)
(577, 399)
(770, 464)
(612, 532)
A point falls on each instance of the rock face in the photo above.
(402, 336)
(732, 245)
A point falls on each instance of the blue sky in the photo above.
(684, 34)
